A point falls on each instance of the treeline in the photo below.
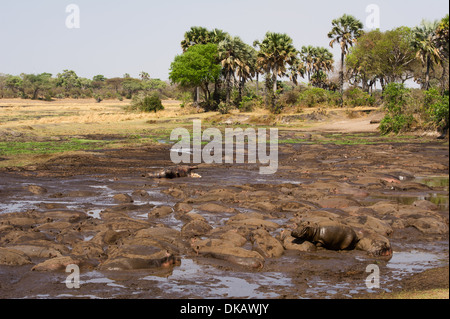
(68, 84)
(217, 67)
(218, 63)
(219, 72)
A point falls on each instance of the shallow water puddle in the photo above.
(209, 282)
(404, 263)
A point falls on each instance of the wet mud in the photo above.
(226, 234)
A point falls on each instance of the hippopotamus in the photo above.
(228, 251)
(174, 172)
(336, 236)
(165, 260)
(373, 243)
(333, 236)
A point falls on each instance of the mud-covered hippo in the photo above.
(336, 236)
(160, 260)
(174, 172)
(333, 237)
(373, 243)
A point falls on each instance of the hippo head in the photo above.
(383, 250)
(375, 245)
(304, 232)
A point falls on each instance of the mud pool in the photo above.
(309, 180)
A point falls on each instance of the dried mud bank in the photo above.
(227, 234)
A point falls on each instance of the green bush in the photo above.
(437, 107)
(249, 103)
(396, 97)
(147, 103)
(397, 119)
(357, 97)
(396, 124)
(313, 96)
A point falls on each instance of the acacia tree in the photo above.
(196, 67)
(442, 42)
(345, 32)
(144, 76)
(34, 83)
(384, 56)
(201, 35)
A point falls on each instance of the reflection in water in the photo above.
(209, 282)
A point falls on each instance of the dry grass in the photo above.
(425, 294)
(73, 117)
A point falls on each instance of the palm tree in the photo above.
(229, 58)
(276, 51)
(345, 32)
(246, 66)
(238, 61)
(196, 35)
(322, 63)
(307, 54)
(295, 70)
(427, 50)
(259, 67)
(323, 60)
(201, 35)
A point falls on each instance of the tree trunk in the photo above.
(207, 93)
(257, 84)
(427, 74)
(228, 80)
(341, 81)
(216, 96)
(241, 88)
(35, 94)
(275, 71)
(274, 96)
(443, 78)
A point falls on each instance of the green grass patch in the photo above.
(49, 147)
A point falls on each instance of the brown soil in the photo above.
(334, 179)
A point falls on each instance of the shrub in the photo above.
(147, 103)
(290, 98)
(249, 103)
(396, 123)
(437, 107)
(357, 97)
(223, 108)
(313, 96)
(396, 97)
(397, 119)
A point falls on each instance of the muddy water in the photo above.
(297, 278)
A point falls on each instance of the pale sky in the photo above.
(117, 37)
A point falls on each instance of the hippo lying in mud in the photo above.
(141, 263)
(228, 251)
(333, 237)
(174, 172)
(342, 237)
